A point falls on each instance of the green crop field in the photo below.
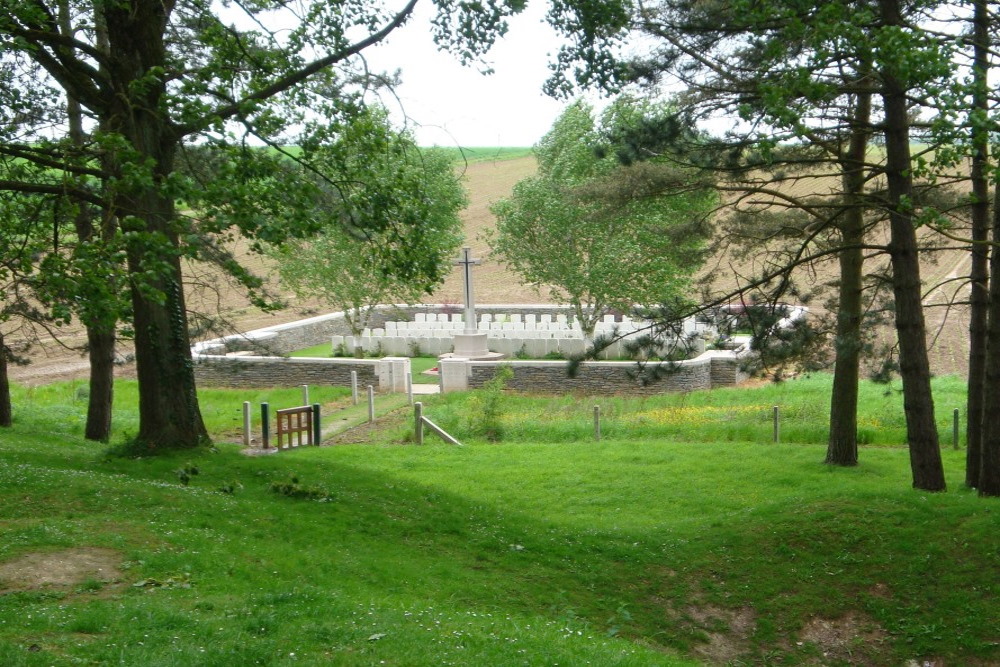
(684, 536)
(474, 154)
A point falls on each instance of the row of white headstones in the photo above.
(510, 334)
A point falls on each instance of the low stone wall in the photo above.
(708, 371)
(213, 367)
(219, 371)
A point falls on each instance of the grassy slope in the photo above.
(623, 552)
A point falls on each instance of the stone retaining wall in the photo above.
(708, 371)
(218, 371)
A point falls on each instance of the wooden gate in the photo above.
(295, 421)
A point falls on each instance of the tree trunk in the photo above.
(914, 366)
(101, 350)
(169, 416)
(989, 470)
(6, 413)
(842, 447)
(99, 312)
(99, 318)
(978, 275)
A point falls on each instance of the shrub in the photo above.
(487, 405)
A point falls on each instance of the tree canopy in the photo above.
(570, 229)
(378, 171)
(159, 83)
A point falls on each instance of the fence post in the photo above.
(371, 404)
(777, 425)
(305, 394)
(409, 388)
(954, 428)
(354, 387)
(247, 437)
(265, 426)
(316, 425)
(597, 422)
(418, 422)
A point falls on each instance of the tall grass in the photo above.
(737, 414)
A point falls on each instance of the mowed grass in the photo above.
(637, 550)
(62, 406)
(417, 364)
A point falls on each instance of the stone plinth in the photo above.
(454, 374)
(472, 346)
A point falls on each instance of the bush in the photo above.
(486, 407)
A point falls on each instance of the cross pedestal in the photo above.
(472, 346)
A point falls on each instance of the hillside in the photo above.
(488, 180)
(684, 536)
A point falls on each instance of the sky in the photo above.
(447, 104)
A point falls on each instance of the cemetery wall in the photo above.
(613, 377)
(245, 372)
(214, 368)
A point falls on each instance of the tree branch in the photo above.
(302, 74)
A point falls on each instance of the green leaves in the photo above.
(600, 234)
(385, 215)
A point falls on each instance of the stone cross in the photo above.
(466, 261)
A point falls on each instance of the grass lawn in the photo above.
(420, 364)
(642, 549)
(321, 350)
(417, 364)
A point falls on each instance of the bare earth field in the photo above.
(487, 181)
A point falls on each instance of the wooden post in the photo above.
(265, 426)
(954, 428)
(305, 394)
(418, 422)
(315, 424)
(247, 436)
(597, 422)
(371, 404)
(777, 425)
(354, 387)
(409, 388)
